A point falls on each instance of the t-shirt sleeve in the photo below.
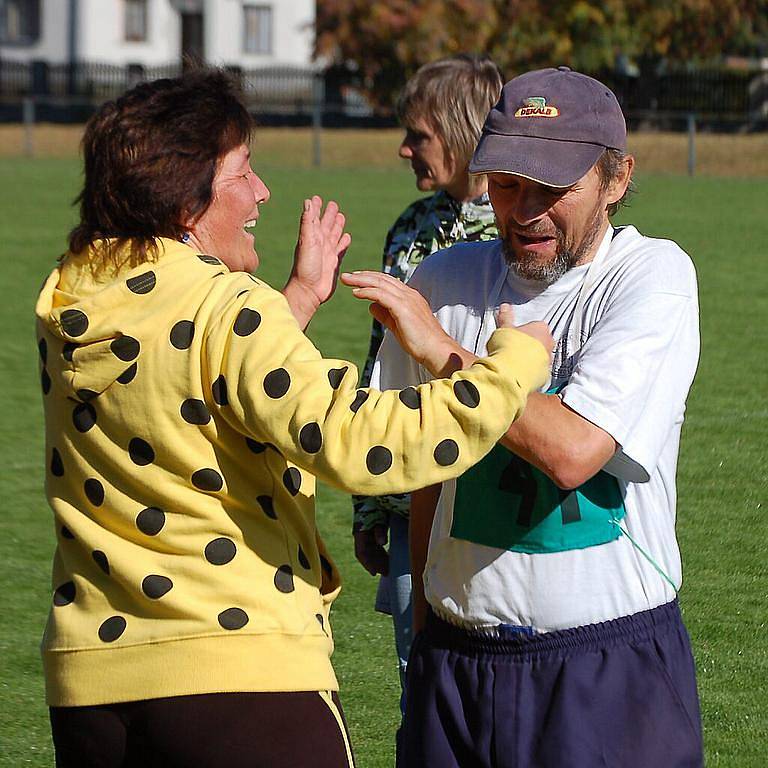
(634, 372)
(281, 391)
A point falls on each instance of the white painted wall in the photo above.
(101, 36)
(52, 45)
(292, 33)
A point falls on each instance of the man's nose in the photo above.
(528, 207)
(405, 150)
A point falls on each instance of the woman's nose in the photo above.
(261, 189)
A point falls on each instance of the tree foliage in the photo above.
(385, 41)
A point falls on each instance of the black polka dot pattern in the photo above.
(141, 452)
(42, 348)
(277, 383)
(155, 586)
(303, 560)
(128, 375)
(142, 283)
(74, 322)
(219, 391)
(150, 521)
(336, 376)
(360, 397)
(112, 629)
(284, 579)
(311, 437)
(207, 480)
(410, 398)
(378, 460)
(446, 453)
(195, 412)
(66, 533)
(101, 560)
(255, 445)
(45, 381)
(466, 393)
(64, 594)
(320, 620)
(83, 417)
(182, 334)
(220, 551)
(268, 505)
(325, 564)
(125, 348)
(57, 465)
(247, 321)
(86, 394)
(94, 491)
(292, 480)
(69, 350)
(208, 259)
(233, 618)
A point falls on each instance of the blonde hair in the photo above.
(454, 95)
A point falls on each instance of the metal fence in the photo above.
(707, 93)
(710, 94)
(284, 89)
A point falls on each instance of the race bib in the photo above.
(505, 502)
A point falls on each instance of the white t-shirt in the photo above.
(512, 548)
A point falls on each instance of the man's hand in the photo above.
(369, 549)
(505, 318)
(320, 248)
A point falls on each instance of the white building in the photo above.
(245, 33)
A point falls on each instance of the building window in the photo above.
(19, 21)
(136, 20)
(258, 28)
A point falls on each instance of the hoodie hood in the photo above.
(98, 322)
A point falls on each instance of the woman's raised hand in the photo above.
(320, 248)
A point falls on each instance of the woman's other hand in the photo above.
(320, 248)
(407, 315)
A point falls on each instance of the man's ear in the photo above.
(618, 186)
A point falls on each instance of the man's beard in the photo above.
(567, 255)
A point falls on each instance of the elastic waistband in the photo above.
(637, 626)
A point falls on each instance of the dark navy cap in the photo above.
(551, 126)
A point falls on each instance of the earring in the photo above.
(185, 237)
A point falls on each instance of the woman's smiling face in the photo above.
(237, 194)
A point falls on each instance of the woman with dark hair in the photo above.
(187, 417)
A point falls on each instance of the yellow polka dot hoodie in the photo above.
(187, 417)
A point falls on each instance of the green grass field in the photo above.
(723, 473)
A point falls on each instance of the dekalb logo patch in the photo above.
(536, 106)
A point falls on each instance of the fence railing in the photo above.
(705, 92)
(297, 90)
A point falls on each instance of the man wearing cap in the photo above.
(553, 635)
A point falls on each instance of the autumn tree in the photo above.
(385, 42)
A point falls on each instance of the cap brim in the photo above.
(547, 161)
